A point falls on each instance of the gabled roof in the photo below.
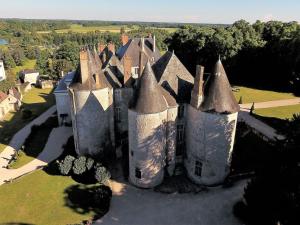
(133, 47)
(149, 97)
(3, 96)
(15, 93)
(174, 77)
(95, 74)
(218, 96)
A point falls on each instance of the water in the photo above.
(3, 42)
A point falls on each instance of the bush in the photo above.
(102, 175)
(89, 163)
(79, 166)
(65, 166)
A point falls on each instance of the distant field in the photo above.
(250, 95)
(111, 28)
(81, 29)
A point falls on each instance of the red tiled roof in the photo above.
(3, 96)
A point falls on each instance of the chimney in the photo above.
(111, 48)
(141, 63)
(124, 39)
(143, 44)
(84, 65)
(197, 93)
(127, 64)
(103, 57)
(101, 47)
(61, 73)
(154, 43)
(97, 79)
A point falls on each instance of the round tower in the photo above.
(147, 133)
(211, 126)
(92, 108)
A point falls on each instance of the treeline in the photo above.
(263, 55)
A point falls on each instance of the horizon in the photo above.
(189, 11)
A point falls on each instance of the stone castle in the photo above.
(149, 104)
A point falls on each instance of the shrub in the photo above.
(89, 163)
(79, 166)
(102, 175)
(65, 166)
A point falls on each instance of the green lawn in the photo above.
(37, 100)
(38, 198)
(283, 112)
(250, 95)
(77, 28)
(29, 64)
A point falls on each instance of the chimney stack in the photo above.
(101, 47)
(154, 43)
(84, 65)
(127, 64)
(197, 93)
(111, 48)
(143, 44)
(124, 39)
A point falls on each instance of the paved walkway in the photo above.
(53, 149)
(271, 104)
(20, 137)
(133, 206)
(260, 126)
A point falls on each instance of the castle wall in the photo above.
(171, 139)
(209, 140)
(147, 148)
(122, 98)
(63, 106)
(91, 120)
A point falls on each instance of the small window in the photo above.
(198, 168)
(135, 72)
(118, 95)
(180, 134)
(131, 153)
(118, 114)
(138, 173)
(181, 111)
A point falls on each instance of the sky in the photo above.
(190, 11)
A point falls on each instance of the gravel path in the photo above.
(271, 104)
(20, 137)
(53, 149)
(133, 206)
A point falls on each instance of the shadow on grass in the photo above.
(9, 128)
(278, 124)
(84, 199)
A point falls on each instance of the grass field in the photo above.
(283, 112)
(77, 28)
(29, 64)
(81, 29)
(250, 95)
(38, 198)
(37, 101)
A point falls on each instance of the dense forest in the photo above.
(261, 55)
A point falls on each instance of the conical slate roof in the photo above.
(149, 97)
(218, 96)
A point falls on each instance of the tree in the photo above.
(273, 196)
(18, 56)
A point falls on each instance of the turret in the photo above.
(211, 130)
(147, 132)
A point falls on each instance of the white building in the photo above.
(62, 98)
(2, 71)
(29, 76)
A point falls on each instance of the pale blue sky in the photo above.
(195, 11)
